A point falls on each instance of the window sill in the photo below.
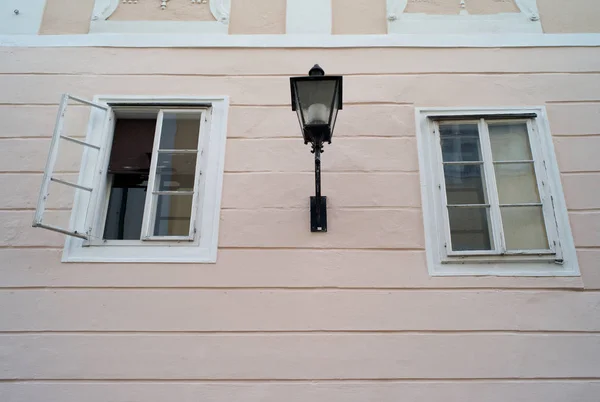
(75, 252)
(539, 268)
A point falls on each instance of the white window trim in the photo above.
(204, 249)
(103, 9)
(525, 21)
(437, 264)
(20, 17)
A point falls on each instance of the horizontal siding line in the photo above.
(292, 74)
(316, 249)
(584, 211)
(574, 172)
(259, 209)
(234, 105)
(290, 137)
(298, 332)
(565, 136)
(315, 289)
(8, 209)
(235, 171)
(301, 380)
(590, 172)
(577, 211)
(569, 102)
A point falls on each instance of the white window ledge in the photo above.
(134, 40)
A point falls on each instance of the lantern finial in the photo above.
(316, 71)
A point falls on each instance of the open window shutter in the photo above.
(100, 113)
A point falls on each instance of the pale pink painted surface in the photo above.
(358, 17)
(151, 11)
(442, 7)
(67, 17)
(258, 17)
(286, 315)
(569, 16)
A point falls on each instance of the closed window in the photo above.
(492, 195)
(149, 179)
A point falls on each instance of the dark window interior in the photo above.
(129, 167)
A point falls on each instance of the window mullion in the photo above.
(150, 203)
(491, 187)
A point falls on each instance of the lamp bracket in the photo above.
(318, 214)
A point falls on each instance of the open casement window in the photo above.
(151, 173)
(492, 199)
(54, 179)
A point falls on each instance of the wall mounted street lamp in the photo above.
(316, 99)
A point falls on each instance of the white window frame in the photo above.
(201, 245)
(559, 260)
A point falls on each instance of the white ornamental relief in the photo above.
(103, 9)
(527, 20)
(395, 8)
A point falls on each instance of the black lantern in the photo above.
(316, 99)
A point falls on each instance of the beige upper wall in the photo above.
(257, 17)
(67, 17)
(349, 16)
(359, 17)
(453, 6)
(151, 11)
(570, 16)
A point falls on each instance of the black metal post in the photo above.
(318, 204)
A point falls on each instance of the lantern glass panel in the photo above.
(315, 100)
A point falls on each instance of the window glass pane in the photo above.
(126, 207)
(460, 142)
(524, 228)
(510, 141)
(173, 214)
(464, 184)
(516, 183)
(180, 130)
(470, 228)
(170, 165)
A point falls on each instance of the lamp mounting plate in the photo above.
(318, 215)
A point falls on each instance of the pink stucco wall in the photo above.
(286, 315)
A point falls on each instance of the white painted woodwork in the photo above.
(21, 17)
(435, 217)
(312, 17)
(300, 356)
(149, 40)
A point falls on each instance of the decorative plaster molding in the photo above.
(220, 10)
(525, 21)
(103, 9)
(395, 8)
(529, 8)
